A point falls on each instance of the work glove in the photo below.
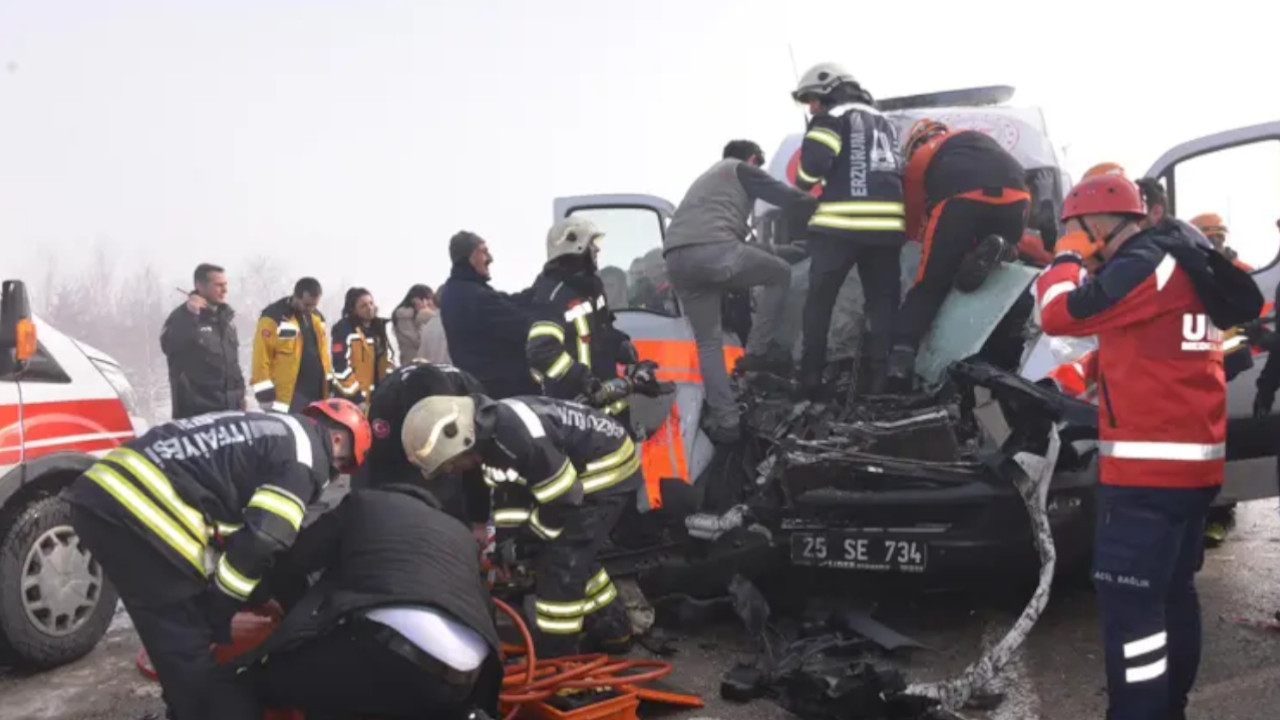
(610, 391)
(1258, 334)
(1263, 401)
(221, 609)
(1079, 243)
(644, 378)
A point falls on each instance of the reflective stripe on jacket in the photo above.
(277, 355)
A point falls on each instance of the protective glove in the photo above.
(610, 391)
(644, 378)
(1263, 401)
(221, 609)
(1078, 242)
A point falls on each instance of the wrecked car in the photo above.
(908, 486)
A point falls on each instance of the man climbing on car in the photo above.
(1153, 303)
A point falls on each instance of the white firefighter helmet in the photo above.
(819, 80)
(572, 236)
(437, 430)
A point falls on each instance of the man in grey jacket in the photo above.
(706, 255)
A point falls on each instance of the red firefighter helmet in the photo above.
(1104, 194)
(346, 414)
(922, 132)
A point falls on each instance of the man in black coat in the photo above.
(199, 339)
(400, 625)
(486, 329)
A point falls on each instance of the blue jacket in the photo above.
(487, 331)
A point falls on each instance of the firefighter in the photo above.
(401, 626)
(203, 350)
(361, 349)
(1162, 427)
(564, 470)
(186, 519)
(705, 253)
(386, 463)
(290, 366)
(967, 204)
(850, 148)
(573, 349)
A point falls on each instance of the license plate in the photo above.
(854, 551)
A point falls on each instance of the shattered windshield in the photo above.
(631, 264)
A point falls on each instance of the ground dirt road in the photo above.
(1057, 675)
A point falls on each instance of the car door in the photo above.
(1236, 174)
(631, 264)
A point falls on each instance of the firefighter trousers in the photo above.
(955, 226)
(701, 275)
(573, 592)
(170, 611)
(832, 257)
(350, 672)
(1148, 549)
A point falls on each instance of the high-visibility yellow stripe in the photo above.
(542, 531)
(826, 137)
(850, 223)
(598, 582)
(510, 517)
(159, 485)
(281, 503)
(602, 599)
(600, 481)
(557, 485)
(616, 408)
(559, 627)
(800, 173)
(150, 515)
(560, 366)
(560, 609)
(232, 582)
(546, 329)
(613, 459)
(859, 207)
(225, 529)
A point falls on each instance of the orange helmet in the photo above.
(1106, 168)
(922, 132)
(1210, 224)
(346, 414)
(1104, 194)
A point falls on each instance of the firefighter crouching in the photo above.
(851, 149)
(1153, 305)
(566, 471)
(967, 203)
(291, 368)
(361, 349)
(187, 518)
(573, 349)
(463, 497)
(401, 624)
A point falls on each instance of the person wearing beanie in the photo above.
(485, 329)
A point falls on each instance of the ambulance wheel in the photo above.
(55, 603)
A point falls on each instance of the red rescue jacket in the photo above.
(1162, 396)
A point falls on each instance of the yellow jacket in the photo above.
(277, 355)
(360, 360)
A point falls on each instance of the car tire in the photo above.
(55, 601)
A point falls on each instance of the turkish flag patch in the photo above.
(266, 334)
(338, 347)
(381, 428)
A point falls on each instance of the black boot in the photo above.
(980, 261)
(901, 370)
(775, 359)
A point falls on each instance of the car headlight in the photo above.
(120, 383)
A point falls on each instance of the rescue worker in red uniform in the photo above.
(1162, 431)
(967, 204)
(187, 519)
(563, 470)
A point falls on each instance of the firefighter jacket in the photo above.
(361, 357)
(278, 355)
(572, 341)
(542, 456)
(1161, 391)
(219, 495)
(851, 150)
(204, 360)
(386, 461)
(486, 332)
(966, 163)
(383, 547)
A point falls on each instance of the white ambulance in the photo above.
(62, 405)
